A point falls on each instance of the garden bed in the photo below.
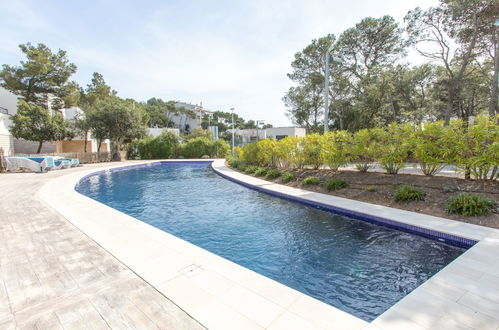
(378, 188)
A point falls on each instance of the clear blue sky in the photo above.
(221, 53)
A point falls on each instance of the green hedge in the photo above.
(167, 145)
(474, 149)
(163, 146)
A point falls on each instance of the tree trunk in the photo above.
(39, 147)
(86, 139)
(98, 145)
(116, 151)
(495, 79)
(450, 102)
(340, 116)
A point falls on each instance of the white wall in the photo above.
(70, 113)
(8, 101)
(157, 131)
(286, 131)
(249, 135)
(6, 143)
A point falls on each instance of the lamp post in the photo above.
(232, 110)
(327, 59)
(258, 122)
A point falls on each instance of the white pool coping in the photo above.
(223, 295)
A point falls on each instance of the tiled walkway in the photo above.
(52, 276)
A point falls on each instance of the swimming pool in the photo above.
(356, 266)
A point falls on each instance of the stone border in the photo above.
(223, 295)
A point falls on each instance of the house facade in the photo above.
(245, 136)
(12, 146)
(187, 124)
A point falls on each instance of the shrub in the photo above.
(288, 177)
(335, 149)
(310, 180)
(238, 152)
(233, 162)
(335, 184)
(164, 146)
(469, 204)
(478, 149)
(395, 143)
(267, 152)
(407, 193)
(288, 153)
(475, 149)
(371, 189)
(261, 171)
(198, 132)
(432, 146)
(251, 169)
(221, 149)
(249, 153)
(363, 149)
(295, 155)
(273, 174)
(311, 148)
(197, 148)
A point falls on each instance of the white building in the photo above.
(187, 124)
(248, 135)
(11, 145)
(156, 131)
(77, 144)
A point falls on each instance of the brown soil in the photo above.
(438, 189)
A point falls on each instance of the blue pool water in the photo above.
(358, 267)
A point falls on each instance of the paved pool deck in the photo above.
(53, 276)
(69, 261)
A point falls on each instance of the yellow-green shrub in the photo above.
(474, 150)
(335, 149)
(478, 149)
(364, 149)
(288, 152)
(311, 147)
(395, 144)
(249, 153)
(433, 145)
(267, 152)
(221, 149)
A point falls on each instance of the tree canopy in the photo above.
(34, 123)
(43, 73)
(118, 120)
(373, 86)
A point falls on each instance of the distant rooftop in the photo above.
(193, 107)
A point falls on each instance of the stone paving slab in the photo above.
(52, 276)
